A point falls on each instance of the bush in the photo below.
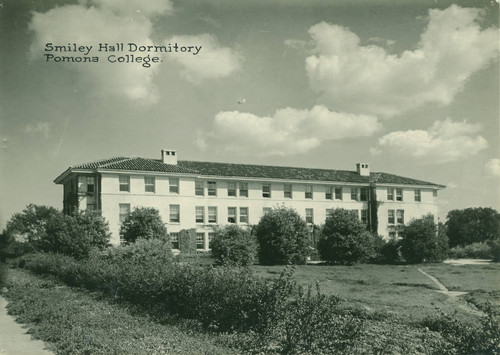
(283, 237)
(143, 223)
(232, 245)
(423, 241)
(345, 240)
(495, 250)
(472, 225)
(474, 250)
(389, 252)
(29, 225)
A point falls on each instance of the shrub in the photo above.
(345, 240)
(143, 223)
(423, 242)
(495, 249)
(232, 245)
(472, 225)
(29, 225)
(474, 250)
(283, 237)
(389, 252)
(187, 241)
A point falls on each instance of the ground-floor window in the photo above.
(200, 240)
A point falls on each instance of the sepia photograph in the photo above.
(249, 177)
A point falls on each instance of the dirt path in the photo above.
(453, 296)
(13, 338)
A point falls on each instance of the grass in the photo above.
(82, 323)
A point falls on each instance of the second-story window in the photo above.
(309, 191)
(231, 214)
(212, 214)
(90, 184)
(287, 190)
(400, 216)
(200, 214)
(174, 185)
(338, 193)
(329, 193)
(243, 189)
(354, 193)
(231, 189)
(212, 188)
(390, 217)
(175, 213)
(124, 183)
(149, 183)
(309, 215)
(363, 194)
(266, 190)
(390, 194)
(199, 190)
(243, 214)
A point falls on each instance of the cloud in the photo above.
(288, 131)
(212, 62)
(492, 167)
(366, 79)
(295, 43)
(42, 128)
(102, 21)
(445, 141)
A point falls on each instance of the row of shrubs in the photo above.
(481, 250)
(284, 317)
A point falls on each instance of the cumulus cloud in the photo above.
(213, 61)
(366, 79)
(492, 167)
(445, 141)
(288, 131)
(106, 21)
(42, 128)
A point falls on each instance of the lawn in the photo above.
(400, 291)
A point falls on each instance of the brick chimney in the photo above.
(169, 156)
(363, 169)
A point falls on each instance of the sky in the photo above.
(410, 87)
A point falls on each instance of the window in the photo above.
(124, 183)
(399, 194)
(200, 214)
(364, 194)
(354, 193)
(210, 238)
(287, 190)
(364, 216)
(309, 191)
(243, 214)
(390, 216)
(266, 209)
(243, 189)
(90, 184)
(328, 212)
(418, 196)
(124, 211)
(212, 188)
(149, 183)
(174, 185)
(90, 206)
(400, 216)
(174, 239)
(231, 214)
(392, 235)
(338, 193)
(199, 190)
(329, 193)
(200, 240)
(175, 211)
(435, 193)
(231, 189)
(212, 214)
(266, 190)
(390, 194)
(309, 215)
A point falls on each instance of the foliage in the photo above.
(472, 225)
(232, 245)
(389, 252)
(29, 225)
(187, 241)
(495, 249)
(423, 241)
(11, 248)
(475, 250)
(283, 237)
(74, 235)
(143, 223)
(345, 240)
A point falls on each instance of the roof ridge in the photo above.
(96, 161)
(266, 165)
(122, 159)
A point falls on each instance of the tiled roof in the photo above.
(248, 170)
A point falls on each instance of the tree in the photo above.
(143, 223)
(423, 241)
(283, 237)
(29, 225)
(472, 225)
(232, 245)
(344, 239)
